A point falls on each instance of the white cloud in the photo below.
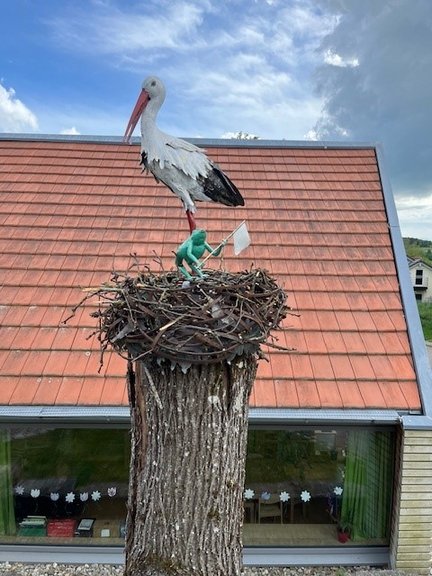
(376, 85)
(228, 66)
(311, 135)
(415, 215)
(14, 115)
(118, 31)
(70, 131)
(259, 79)
(334, 59)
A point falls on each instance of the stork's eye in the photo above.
(153, 83)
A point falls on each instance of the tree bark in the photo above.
(189, 433)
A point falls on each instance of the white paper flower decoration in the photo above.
(95, 495)
(112, 491)
(265, 496)
(54, 496)
(35, 492)
(284, 496)
(338, 490)
(84, 496)
(19, 490)
(305, 496)
(249, 494)
(70, 497)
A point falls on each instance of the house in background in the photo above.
(421, 278)
(340, 427)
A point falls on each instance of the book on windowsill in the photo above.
(34, 521)
(85, 527)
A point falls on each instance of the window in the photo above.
(318, 487)
(419, 278)
(63, 485)
(69, 486)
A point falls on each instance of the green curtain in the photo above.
(366, 501)
(7, 513)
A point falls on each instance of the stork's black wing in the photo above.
(219, 188)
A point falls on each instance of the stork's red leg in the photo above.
(191, 220)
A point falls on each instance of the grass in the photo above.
(425, 311)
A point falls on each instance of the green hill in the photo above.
(416, 248)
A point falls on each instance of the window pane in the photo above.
(303, 487)
(70, 486)
(63, 485)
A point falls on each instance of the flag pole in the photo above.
(220, 245)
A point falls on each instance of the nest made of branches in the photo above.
(206, 320)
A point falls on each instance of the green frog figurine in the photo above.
(192, 250)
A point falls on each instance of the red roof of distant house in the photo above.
(72, 211)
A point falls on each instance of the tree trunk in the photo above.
(189, 433)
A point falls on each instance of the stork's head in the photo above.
(152, 89)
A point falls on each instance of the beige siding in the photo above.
(412, 523)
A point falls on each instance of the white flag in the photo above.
(241, 238)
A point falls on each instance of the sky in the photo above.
(333, 70)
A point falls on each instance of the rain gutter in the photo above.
(110, 415)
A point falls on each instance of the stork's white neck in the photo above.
(148, 122)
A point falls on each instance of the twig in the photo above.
(211, 319)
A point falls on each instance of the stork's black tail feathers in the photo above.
(219, 188)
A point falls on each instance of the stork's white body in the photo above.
(177, 163)
(180, 165)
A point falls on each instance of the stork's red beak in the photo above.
(141, 103)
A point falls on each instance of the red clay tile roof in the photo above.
(71, 212)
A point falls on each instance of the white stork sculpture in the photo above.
(181, 166)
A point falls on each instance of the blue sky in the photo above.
(344, 70)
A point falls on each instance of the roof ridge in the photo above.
(226, 142)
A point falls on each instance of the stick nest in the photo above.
(206, 320)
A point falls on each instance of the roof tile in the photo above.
(350, 394)
(34, 363)
(329, 394)
(410, 391)
(92, 391)
(24, 391)
(322, 368)
(286, 393)
(46, 391)
(392, 393)
(308, 393)
(265, 393)
(7, 336)
(372, 395)
(7, 387)
(114, 392)
(72, 212)
(301, 365)
(69, 390)
(14, 362)
(334, 342)
(56, 363)
(341, 367)
(362, 367)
